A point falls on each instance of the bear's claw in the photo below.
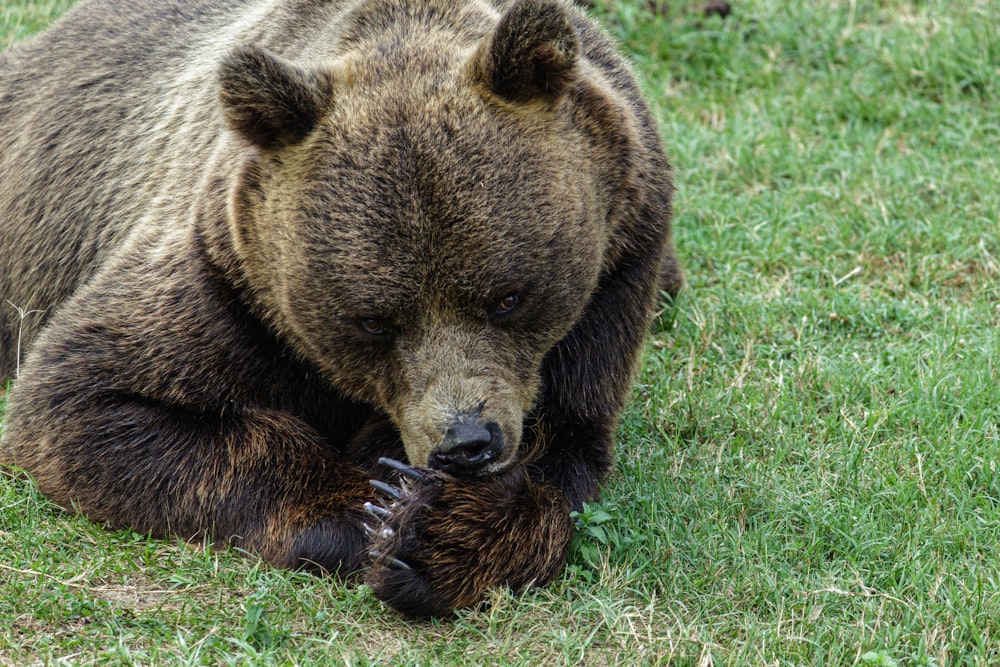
(392, 494)
(391, 562)
(377, 511)
(388, 490)
(373, 534)
(402, 468)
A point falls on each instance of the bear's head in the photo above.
(425, 216)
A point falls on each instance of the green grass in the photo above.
(808, 472)
(20, 18)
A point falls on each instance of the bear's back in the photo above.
(86, 125)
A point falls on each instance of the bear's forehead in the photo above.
(434, 105)
(407, 236)
(425, 173)
(422, 224)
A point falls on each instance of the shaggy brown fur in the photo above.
(273, 241)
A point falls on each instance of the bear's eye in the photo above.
(373, 327)
(507, 304)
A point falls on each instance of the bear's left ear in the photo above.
(531, 54)
(270, 101)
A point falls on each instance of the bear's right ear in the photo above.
(531, 54)
(270, 101)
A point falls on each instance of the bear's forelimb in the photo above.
(587, 380)
(263, 481)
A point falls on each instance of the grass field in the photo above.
(807, 474)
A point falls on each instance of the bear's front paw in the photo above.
(439, 542)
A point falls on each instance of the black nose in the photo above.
(468, 446)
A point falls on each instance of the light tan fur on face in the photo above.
(449, 375)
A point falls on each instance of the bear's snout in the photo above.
(468, 448)
(460, 410)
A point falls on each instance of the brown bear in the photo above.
(278, 246)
